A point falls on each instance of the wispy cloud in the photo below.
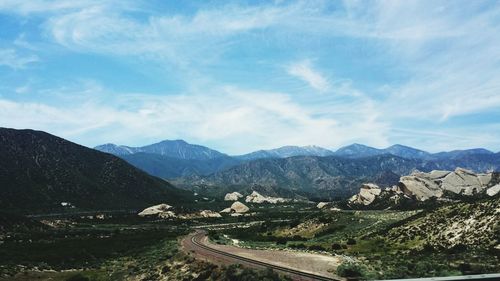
(240, 119)
(304, 71)
(421, 65)
(12, 59)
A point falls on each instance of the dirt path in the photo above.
(306, 262)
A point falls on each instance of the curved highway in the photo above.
(192, 243)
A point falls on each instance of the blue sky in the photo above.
(250, 75)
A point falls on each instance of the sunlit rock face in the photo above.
(420, 186)
(234, 196)
(160, 210)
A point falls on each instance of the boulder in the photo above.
(167, 214)
(226, 210)
(209, 214)
(234, 196)
(492, 191)
(420, 186)
(155, 210)
(321, 205)
(256, 197)
(463, 181)
(368, 193)
(239, 207)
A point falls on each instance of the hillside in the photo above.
(328, 176)
(334, 176)
(38, 171)
(465, 225)
(169, 167)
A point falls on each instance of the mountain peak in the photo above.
(171, 148)
(287, 151)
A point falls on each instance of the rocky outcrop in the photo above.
(234, 196)
(420, 186)
(155, 210)
(236, 207)
(461, 181)
(239, 207)
(321, 205)
(368, 193)
(492, 191)
(256, 197)
(209, 214)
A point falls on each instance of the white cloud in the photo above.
(237, 120)
(444, 57)
(12, 59)
(304, 71)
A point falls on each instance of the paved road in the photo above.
(192, 243)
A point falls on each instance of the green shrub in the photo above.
(351, 269)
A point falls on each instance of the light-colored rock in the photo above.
(492, 191)
(226, 210)
(423, 186)
(368, 193)
(234, 196)
(436, 174)
(256, 197)
(167, 214)
(462, 181)
(209, 214)
(155, 210)
(321, 205)
(239, 207)
(484, 179)
(420, 186)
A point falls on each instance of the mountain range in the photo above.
(39, 171)
(177, 158)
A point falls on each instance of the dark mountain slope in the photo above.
(38, 171)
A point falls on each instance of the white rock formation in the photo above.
(492, 191)
(239, 207)
(209, 214)
(367, 194)
(234, 196)
(256, 197)
(155, 210)
(321, 205)
(424, 186)
(464, 182)
(167, 214)
(226, 210)
(420, 186)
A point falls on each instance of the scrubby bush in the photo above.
(351, 269)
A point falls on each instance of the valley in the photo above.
(71, 213)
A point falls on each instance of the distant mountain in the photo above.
(38, 171)
(334, 176)
(360, 151)
(456, 154)
(329, 176)
(287, 151)
(357, 150)
(170, 148)
(168, 167)
(117, 150)
(407, 152)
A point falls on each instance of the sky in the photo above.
(245, 75)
